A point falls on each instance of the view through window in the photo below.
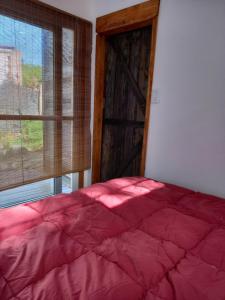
(27, 109)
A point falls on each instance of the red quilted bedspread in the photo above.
(126, 239)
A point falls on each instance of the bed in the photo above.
(126, 239)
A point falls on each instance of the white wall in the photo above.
(81, 8)
(103, 7)
(187, 131)
(187, 137)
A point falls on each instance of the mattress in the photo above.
(126, 239)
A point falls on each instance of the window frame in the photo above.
(29, 12)
(27, 196)
(57, 104)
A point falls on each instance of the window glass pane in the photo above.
(68, 61)
(26, 68)
(67, 183)
(26, 151)
(27, 193)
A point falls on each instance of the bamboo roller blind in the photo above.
(45, 65)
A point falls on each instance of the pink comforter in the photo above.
(126, 239)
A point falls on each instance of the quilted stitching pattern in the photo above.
(126, 239)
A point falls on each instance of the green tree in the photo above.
(32, 75)
(32, 133)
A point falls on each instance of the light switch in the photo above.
(155, 96)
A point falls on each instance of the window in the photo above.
(44, 99)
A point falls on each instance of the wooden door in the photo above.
(126, 87)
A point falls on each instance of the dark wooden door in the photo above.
(126, 80)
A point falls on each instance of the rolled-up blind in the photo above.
(45, 66)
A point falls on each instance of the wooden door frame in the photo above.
(134, 17)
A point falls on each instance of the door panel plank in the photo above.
(139, 96)
(129, 123)
(136, 150)
(126, 85)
